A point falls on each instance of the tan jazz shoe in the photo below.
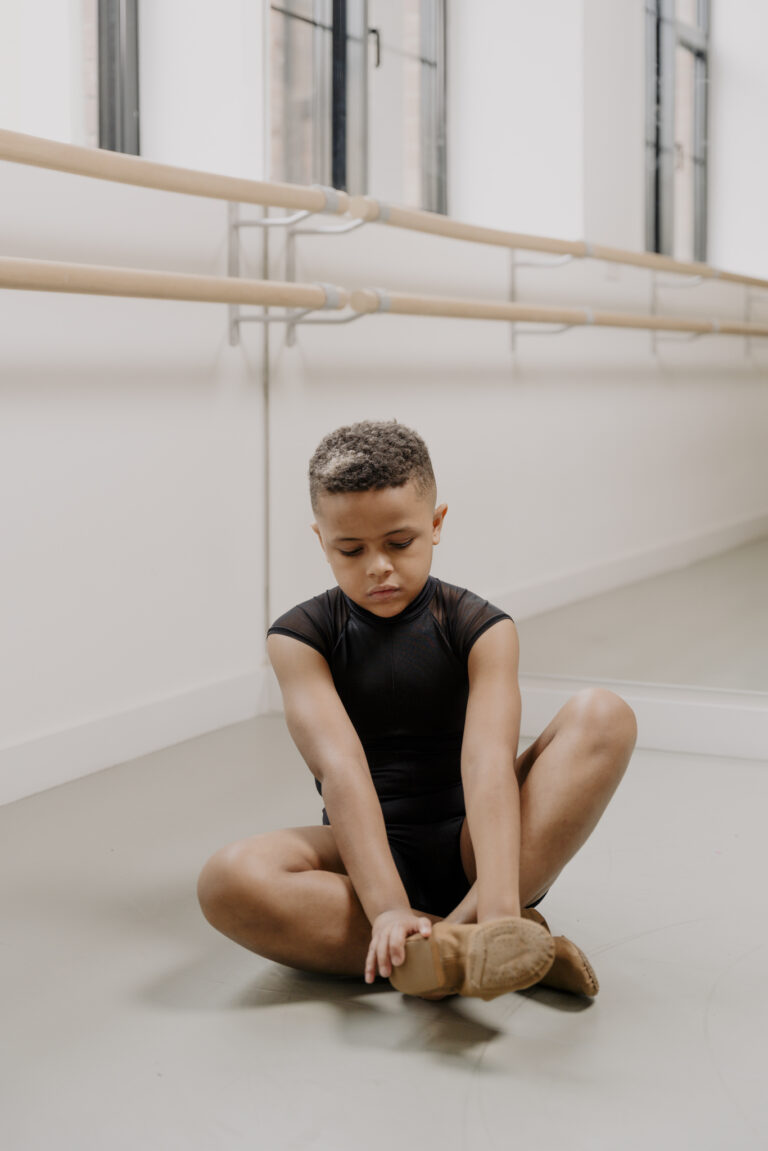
(481, 960)
(571, 970)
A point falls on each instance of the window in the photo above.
(677, 52)
(358, 97)
(118, 62)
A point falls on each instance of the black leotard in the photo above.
(405, 685)
(403, 681)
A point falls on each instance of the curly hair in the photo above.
(368, 456)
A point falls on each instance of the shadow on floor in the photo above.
(366, 1015)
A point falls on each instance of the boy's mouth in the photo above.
(383, 591)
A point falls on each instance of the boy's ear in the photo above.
(437, 522)
(316, 530)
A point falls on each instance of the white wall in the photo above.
(131, 461)
(614, 123)
(203, 89)
(131, 471)
(546, 117)
(515, 130)
(580, 463)
(738, 160)
(40, 68)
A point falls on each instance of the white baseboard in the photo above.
(530, 599)
(35, 765)
(669, 718)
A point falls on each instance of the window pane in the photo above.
(684, 153)
(404, 112)
(687, 12)
(357, 96)
(381, 95)
(89, 47)
(300, 91)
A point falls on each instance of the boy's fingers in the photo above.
(383, 956)
(387, 950)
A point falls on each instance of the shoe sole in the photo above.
(507, 955)
(503, 955)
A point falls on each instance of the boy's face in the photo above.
(379, 544)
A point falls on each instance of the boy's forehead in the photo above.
(381, 510)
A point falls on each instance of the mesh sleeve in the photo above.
(314, 622)
(467, 617)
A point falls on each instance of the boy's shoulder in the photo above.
(464, 615)
(316, 621)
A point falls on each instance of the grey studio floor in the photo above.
(129, 1023)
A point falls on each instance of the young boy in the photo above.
(401, 693)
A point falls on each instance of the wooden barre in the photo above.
(368, 300)
(122, 169)
(369, 209)
(95, 279)
(102, 164)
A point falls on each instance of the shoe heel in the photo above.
(422, 970)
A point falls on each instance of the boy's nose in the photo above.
(380, 565)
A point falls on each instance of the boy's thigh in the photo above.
(289, 849)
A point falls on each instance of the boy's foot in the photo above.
(480, 960)
(571, 970)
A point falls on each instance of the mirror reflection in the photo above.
(703, 626)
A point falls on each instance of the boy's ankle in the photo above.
(505, 911)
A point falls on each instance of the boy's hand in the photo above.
(389, 931)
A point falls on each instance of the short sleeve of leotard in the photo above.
(464, 616)
(317, 622)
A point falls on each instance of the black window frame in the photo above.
(664, 34)
(346, 31)
(118, 55)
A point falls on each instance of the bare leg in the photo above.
(285, 895)
(567, 777)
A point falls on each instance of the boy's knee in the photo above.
(221, 884)
(210, 886)
(607, 718)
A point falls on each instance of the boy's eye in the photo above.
(395, 544)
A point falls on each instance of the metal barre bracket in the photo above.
(557, 262)
(555, 329)
(657, 282)
(749, 299)
(290, 317)
(687, 338)
(331, 206)
(514, 264)
(691, 281)
(290, 264)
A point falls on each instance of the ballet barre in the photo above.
(99, 280)
(101, 164)
(93, 279)
(371, 210)
(373, 300)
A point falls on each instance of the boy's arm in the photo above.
(329, 744)
(488, 753)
